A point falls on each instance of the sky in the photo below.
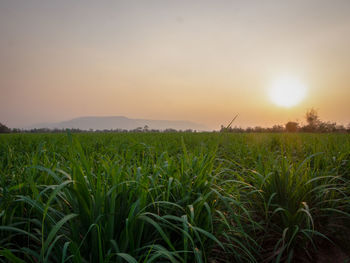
(201, 61)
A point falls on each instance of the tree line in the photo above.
(313, 124)
(5, 129)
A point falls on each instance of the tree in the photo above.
(292, 126)
(312, 119)
(4, 129)
(277, 128)
(327, 127)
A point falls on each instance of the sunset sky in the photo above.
(202, 61)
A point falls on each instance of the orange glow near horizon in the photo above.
(174, 60)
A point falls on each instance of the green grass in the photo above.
(178, 197)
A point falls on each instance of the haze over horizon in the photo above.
(200, 61)
(121, 123)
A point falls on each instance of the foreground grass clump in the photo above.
(173, 197)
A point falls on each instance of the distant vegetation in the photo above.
(47, 130)
(313, 124)
(174, 197)
(4, 129)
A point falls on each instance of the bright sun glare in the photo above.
(287, 91)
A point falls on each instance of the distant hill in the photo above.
(120, 122)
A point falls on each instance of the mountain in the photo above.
(120, 122)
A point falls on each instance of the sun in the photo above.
(287, 91)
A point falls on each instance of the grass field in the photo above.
(173, 197)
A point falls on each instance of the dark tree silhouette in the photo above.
(312, 119)
(4, 129)
(292, 126)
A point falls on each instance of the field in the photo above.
(174, 197)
